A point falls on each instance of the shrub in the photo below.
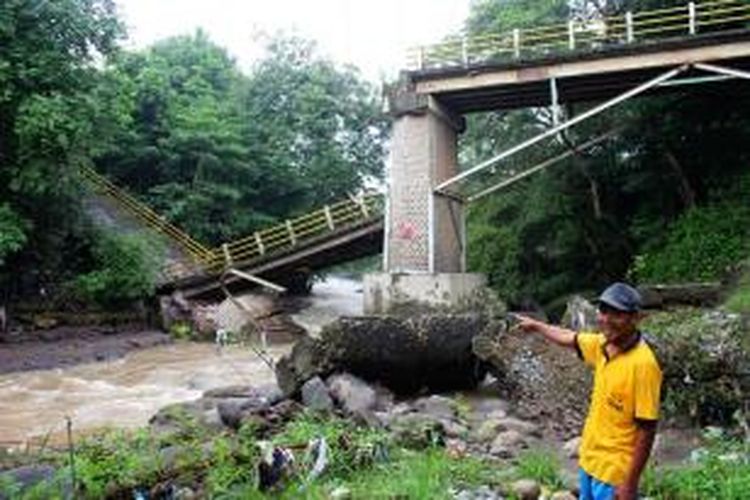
(12, 232)
(125, 270)
(701, 245)
(115, 462)
(703, 357)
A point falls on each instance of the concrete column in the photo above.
(423, 154)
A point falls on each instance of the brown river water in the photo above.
(125, 393)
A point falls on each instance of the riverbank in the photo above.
(73, 345)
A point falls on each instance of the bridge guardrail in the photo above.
(194, 249)
(294, 232)
(575, 35)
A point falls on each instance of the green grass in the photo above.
(116, 463)
(739, 299)
(543, 466)
(720, 481)
(712, 477)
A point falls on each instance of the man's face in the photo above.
(616, 325)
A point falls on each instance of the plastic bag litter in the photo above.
(277, 464)
(316, 457)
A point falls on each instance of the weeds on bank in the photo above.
(362, 460)
(722, 471)
(739, 299)
(223, 466)
(541, 465)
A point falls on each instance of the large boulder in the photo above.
(403, 353)
(354, 395)
(315, 395)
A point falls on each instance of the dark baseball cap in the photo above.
(622, 297)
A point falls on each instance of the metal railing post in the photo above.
(227, 255)
(629, 26)
(290, 229)
(259, 242)
(329, 217)
(517, 43)
(554, 101)
(420, 57)
(464, 51)
(571, 35)
(691, 18)
(363, 207)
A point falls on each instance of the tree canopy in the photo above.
(221, 153)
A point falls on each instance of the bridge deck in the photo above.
(579, 76)
(342, 245)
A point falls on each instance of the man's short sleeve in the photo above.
(648, 379)
(588, 346)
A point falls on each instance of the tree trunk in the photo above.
(685, 189)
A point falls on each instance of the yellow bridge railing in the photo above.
(266, 243)
(294, 232)
(631, 27)
(191, 247)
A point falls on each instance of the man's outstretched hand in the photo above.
(526, 323)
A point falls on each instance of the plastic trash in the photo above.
(276, 465)
(317, 456)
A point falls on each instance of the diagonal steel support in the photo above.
(544, 164)
(737, 73)
(564, 126)
(262, 352)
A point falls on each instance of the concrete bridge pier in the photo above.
(424, 254)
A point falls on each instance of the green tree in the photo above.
(48, 57)
(221, 153)
(316, 130)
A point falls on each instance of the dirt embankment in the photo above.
(67, 345)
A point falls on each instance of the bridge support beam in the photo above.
(424, 247)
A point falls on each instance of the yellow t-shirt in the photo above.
(626, 387)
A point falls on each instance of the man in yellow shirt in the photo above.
(624, 408)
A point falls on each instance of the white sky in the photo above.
(371, 34)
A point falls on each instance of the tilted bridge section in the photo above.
(334, 234)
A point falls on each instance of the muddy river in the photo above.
(126, 392)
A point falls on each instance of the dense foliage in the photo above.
(48, 115)
(221, 154)
(124, 269)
